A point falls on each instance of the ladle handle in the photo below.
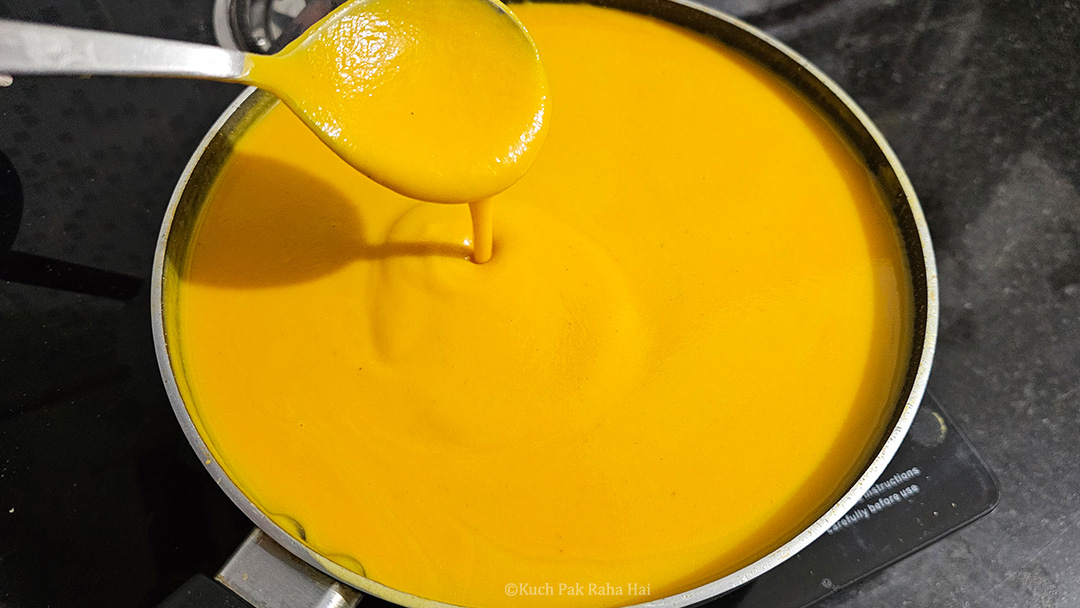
(32, 48)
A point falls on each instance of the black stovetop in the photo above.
(103, 503)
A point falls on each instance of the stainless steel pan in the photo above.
(829, 99)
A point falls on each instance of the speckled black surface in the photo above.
(102, 503)
(101, 500)
(981, 101)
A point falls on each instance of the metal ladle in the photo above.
(418, 159)
(32, 48)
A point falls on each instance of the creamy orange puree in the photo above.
(441, 100)
(688, 339)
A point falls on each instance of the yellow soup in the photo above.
(688, 340)
(441, 100)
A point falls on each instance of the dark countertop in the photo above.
(980, 99)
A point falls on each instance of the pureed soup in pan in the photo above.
(686, 345)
